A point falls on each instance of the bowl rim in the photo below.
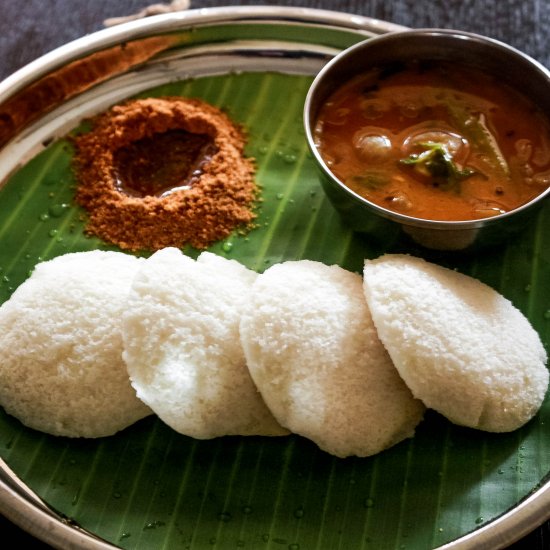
(404, 219)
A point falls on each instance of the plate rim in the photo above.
(163, 23)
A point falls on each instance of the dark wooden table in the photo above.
(31, 28)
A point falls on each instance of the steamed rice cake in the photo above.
(182, 347)
(314, 354)
(461, 347)
(62, 370)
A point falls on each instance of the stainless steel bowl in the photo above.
(496, 58)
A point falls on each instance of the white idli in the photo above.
(182, 347)
(314, 354)
(62, 370)
(461, 347)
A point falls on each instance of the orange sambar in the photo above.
(436, 141)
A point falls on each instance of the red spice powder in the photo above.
(161, 172)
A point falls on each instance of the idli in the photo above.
(461, 347)
(182, 347)
(314, 354)
(62, 370)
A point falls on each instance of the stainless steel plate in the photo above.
(147, 486)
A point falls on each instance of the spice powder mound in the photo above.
(161, 172)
